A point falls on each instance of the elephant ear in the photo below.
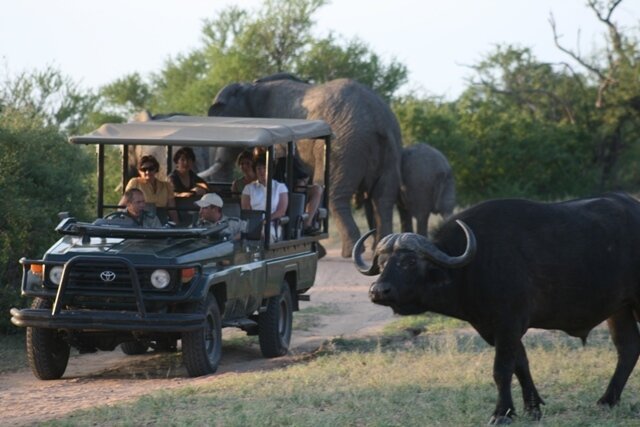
(224, 98)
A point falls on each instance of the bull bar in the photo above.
(140, 320)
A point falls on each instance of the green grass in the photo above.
(309, 317)
(435, 378)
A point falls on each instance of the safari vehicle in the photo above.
(103, 285)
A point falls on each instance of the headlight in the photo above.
(55, 274)
(160, 279)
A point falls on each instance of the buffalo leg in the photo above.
(532, 399)
(625, 336)
(504, 366)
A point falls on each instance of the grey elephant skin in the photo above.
(203, 154)
(366, 150)
(428, 187)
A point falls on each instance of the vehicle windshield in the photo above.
(103, 229)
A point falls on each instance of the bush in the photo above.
(41, 175)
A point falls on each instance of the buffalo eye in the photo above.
(408, 261)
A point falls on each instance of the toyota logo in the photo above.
(108, 276)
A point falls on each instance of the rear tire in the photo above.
(202, 349)
(132, 348)
(275, 324)
(47, 351)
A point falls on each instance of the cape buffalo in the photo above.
(566, 266)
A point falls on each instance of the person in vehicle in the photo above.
(211, 214)
(301, 180)
(245, 163)
(254, 195)
(186, 183)
(156, 191)
(135, 215)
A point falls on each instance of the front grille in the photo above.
(110, 278)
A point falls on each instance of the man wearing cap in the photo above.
(211, 214)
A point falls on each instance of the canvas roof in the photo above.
(204, 131)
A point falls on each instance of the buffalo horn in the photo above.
(435, 255)
(356, 254)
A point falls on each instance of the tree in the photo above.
(239, 46)
(46, 98)
(615, 119)
(40, 173)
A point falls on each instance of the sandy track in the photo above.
(106, 378)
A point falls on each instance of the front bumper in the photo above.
(107, 320)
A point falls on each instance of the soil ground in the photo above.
(103, 378)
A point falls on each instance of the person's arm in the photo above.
(283, 202)
(131, 184)
(171, 204)
(245, 201)
(201, 187)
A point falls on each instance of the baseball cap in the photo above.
(210, 199)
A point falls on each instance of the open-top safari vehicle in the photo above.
(103, 285)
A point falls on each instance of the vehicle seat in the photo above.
(293, 229)
(254, 223)
(231, 209)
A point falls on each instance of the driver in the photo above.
(211, 214)
(134, 215)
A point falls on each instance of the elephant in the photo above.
(203, 154)
(365, 151)
(428, 187)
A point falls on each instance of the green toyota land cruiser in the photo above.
(104, 284)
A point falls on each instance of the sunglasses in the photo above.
(148, 169)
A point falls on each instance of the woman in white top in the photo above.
(254, 194)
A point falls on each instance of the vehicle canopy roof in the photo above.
(206, 131)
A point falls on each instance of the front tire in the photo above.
(202, 349)
(275, 324)
(47, 351)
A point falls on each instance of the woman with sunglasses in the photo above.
(156, 191)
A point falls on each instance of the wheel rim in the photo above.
(210, 339)
(283, 322)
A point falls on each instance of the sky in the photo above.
(95, 42)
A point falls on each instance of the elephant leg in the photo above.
(368, 211)
(406, 222)
(625, 336)
(383, 211)
(423, 224)
(340, 206)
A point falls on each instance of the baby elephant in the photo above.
(428, 187)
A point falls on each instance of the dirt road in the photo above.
(103, 378)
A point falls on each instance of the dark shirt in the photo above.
(280, 170)
(146, 220)
(178, 187)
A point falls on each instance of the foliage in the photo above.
(45, 98)
(37, 183)
(239, 46)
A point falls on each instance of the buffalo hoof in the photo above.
(608, 401)
(499, 420)
(534, 414)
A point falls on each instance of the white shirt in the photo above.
(258, 194)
